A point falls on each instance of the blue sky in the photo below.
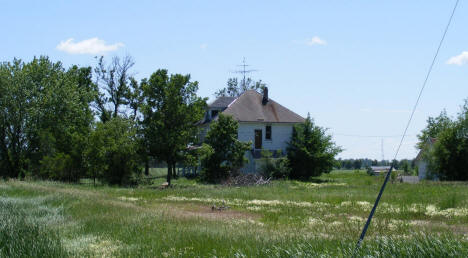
(355, 66)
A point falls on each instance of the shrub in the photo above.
(276, 168)
(281, 169)
(311, 151)
(267, 164)
(225, 154)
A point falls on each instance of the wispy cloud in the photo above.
(204, 46)
(315, 41)
(460, 59)
(88, 46)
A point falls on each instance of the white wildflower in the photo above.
(335, 224)
(254, 208)
(345, 204)
(418, 222)
(131, 199)
(389, 208)
(314, 221)
(356, 219)
(364, 205)
(416, 207)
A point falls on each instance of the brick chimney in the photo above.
(265, 96)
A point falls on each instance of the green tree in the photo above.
(227, 155)
(405, 165)
(170, 109)
(44, 115)
(311, 151)
(235, 87)
(357, 164)
(118, 90)
(435, 125)
(449, 156)
(111, 154)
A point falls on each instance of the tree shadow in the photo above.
(315, 180)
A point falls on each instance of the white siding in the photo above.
(422, 169)
(280, 135)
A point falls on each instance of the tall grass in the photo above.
(418, 246)
(23, 232)
(284, 219)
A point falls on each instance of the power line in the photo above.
(364, 230)
(371, 136)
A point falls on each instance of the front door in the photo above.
(258, 139)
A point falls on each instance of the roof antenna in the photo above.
(244, 71)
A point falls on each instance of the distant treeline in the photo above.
(404, 164)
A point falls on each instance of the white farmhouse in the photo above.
(424, 171)
(262, 121)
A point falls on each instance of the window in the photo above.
(268, 132)
(214, 113)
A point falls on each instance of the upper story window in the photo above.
(214, 113)
(268, 132)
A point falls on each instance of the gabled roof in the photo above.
(222, 102)
(248, 107)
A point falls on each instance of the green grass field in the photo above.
(284, 219)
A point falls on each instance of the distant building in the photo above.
(422, 163)
(262, 121)
(377, 170)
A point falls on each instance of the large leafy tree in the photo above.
(227, 154)
(311, 151)
(170, 110)
(44, 115)
(120, 95)
(449, 156)
(435, 125)
(236, 87)
(111, 154)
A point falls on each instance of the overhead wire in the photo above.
(369, 219)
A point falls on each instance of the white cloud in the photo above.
(203, 46)
(460, 59)
(87, 46)
(315, 41)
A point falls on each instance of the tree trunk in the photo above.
(174, 172)
(169, 173)
(147, 166)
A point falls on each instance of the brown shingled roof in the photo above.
(222, 102)
(248, 107)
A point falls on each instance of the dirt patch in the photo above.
(177, 210)
(205, 212)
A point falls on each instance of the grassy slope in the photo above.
(286, 218)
